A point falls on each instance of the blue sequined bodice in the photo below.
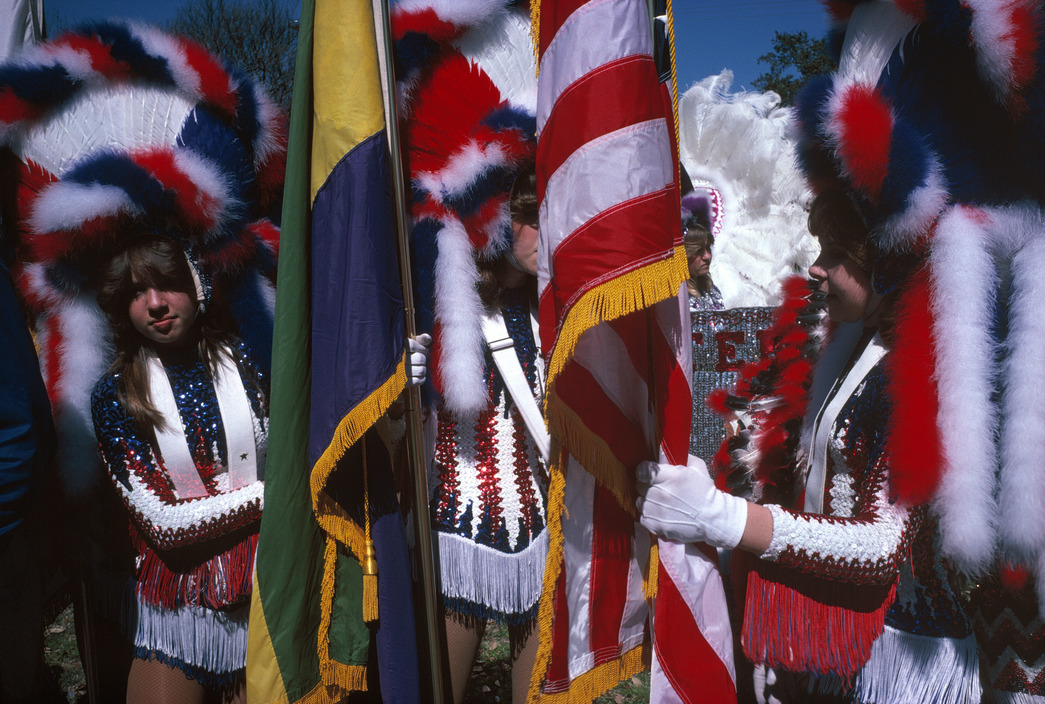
(197, 404)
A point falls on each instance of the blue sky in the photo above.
(709, 34)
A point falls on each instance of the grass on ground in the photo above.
(491, 680)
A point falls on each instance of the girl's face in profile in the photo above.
(524, 247)
(700, 263)
(162, 317)
(848, 287)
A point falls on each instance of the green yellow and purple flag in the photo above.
(318, 624)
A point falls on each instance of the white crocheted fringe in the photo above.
(909, 669)
(506, 583)
(996, 696)
(213, 640)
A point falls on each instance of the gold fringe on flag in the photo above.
(348, 678)
(601, 678)
(340, 528)
(553, 566)
(649, 580)
(592, 684)
(630, 292)
(627, 293)
(331, 517)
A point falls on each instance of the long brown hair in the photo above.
(155, 261)
(834, 218)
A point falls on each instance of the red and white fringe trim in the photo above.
(829, 633)
(220, 581)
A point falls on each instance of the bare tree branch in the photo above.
(258, 36)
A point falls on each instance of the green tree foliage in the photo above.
(257, 36)
(794, 60)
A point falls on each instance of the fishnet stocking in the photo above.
(463, 635)
(152, 682)
(524, 641)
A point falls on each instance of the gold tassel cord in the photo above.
(535, 32)
(369, 561)
(674, 73)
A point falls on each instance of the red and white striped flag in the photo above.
(614, 317)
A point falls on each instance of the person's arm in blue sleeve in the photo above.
(26, 429)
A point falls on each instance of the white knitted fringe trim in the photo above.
(996, 696)
(909, 669)
(510, 583)
(213, 640)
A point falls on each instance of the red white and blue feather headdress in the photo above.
(468, 91)
(934, 126)
(118, 129)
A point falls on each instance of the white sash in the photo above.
(502, 348)
(236, 419)
(817, 478)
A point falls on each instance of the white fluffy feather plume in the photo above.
(740, 143)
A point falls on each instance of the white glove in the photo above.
(681, 503)
(417, 359)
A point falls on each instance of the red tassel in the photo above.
(786, 368)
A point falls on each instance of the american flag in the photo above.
(612, 312)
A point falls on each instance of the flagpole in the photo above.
(414, 432)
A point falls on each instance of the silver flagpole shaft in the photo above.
(437, 666)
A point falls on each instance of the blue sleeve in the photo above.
(26, 428)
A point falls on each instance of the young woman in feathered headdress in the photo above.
(148, 176)
(469, 84)
(850, 595)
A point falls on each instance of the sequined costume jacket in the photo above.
(862, 558)
(489, 494)
(195, 557)
(711, 300)
(1011, 635)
